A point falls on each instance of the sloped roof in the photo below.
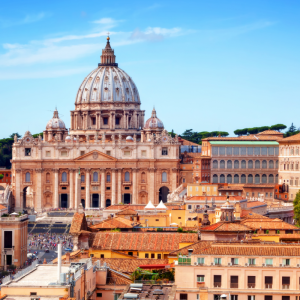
(78, 223)
(184, 142)
(247, 248)
(116, 222)
(267, 223)
(140, 241)
(292, 138)
(216, 198)
(149, 205)
(161, 205)
(127, 211)
(226, 226)
(256, 203)
(252, 215)
(270, 132)
(117, 278)
(138, 207)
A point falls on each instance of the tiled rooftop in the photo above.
(127, 211)
(226, 227)
(78, 223)
(138, 207)
(138, 241)
(255, 203)
(116, 222)
(215, 198)
(292, 138)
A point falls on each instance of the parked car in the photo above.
(47, 251)
(68, 249)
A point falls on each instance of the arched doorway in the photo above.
(83, 203)
(163, 194)
(24, 196)
(107, 203)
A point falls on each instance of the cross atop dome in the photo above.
(108, 57)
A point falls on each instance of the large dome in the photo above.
(107, 83)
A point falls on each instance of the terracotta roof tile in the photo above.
(186, 142)
(116, 278)
(138, 241)
(127, 211)
(255, 203)
(225, 227)
(252, 215)
(270, 132)
(251, 137)
(267, 223)
(215, 198)
(2, 207)
(116, 222)
(138, 207)
(292, 138)
(78, 223)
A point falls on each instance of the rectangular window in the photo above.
(221, 150)
(117, 121)
(126, 153)
(183, 297)
(233, 297)
(93, 120)
(64, 153)
(269, 261)
(243, 150)
(8, 239)
(201, 260)
(229, 151)
(268, 282)
(268, 297)
(218, 261)
(82, 178)
(144, 153)
(264, 151)
(251, 261)
(102, 256)
(48, 153)
(200, 278)
(276, 151)
(105, 121)
(285, 283)
(99, 295)
(108, 152)
(217, 280)
(215, 151)
(82, 153)
(257, 151)
(164, 151)
(270, 150)
(158, 256)
(203, 189)
(235, 261)
(286, 262)
(33, 293)
(196, 189)
(234, 282)
(251, 297)
(250, 151)
(146, 255)
(251, 282)
(189, 206)
(236, 150)
(27, 151)
(287, 297)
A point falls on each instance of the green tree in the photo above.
(292, 128)
(253, 130)
(278, 127)
(240, 132)
(263, 128)
(297, 209)
(1, 176)
(13, 135)
(37, 135)
(223, 133)
(172, 133)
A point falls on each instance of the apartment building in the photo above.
(245, 270)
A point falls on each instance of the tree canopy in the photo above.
(297, 209)
(196, 137)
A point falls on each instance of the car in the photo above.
(47, 251)
(68, 249)
(35, 252)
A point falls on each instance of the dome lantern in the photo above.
(108, 57)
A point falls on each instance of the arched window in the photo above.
(236, 178)
(250, 164)
(215, 164)
(127, 176)
(292, 165)
(264, 178)
(264, 164)
(222, 164)
(276, 178)
(215, 178)
(243, 178)
(257, 178)
(250, 178)
(229, 164)
(297, 151)
(222, 178)
(82, 178)
(297, 166)
(108, 177)
(257, 164)
(276, 167)
(27, 177)
(236, 164)
(64, 177)
(271, 178)
(143, 177)
(229, 178)
(95, 176)
(271, 164)
(164, 177)
(292, 151)
(48, 178)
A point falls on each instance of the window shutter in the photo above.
(251, 279)
(268, 280)
(285, 280)
(234, 279)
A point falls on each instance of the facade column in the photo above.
(119, 185)
(87, 188)
(126, 121)
(113, 185)
(56, 197)
(152, 185)
(76, 203)
(72, 120)
(134, 186)
(98, 120)
(174, 179)
(102, 188)
(38, 204)
(18, 190)
(71, 172)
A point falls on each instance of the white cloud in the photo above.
(155, 33)
(31, 18)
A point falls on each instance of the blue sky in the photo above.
(206, 65)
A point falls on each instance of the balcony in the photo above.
(285, 286)
(268, 286)
(251, 285)
(201, 285)
(27, 183)
(64, 183)
(217, 284)
(127, 182)
(234, 285)
(95, 183)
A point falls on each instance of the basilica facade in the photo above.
(110, 155)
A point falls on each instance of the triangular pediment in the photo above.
(95, 155)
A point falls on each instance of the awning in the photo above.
(154, 266)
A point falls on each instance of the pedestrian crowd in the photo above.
(49, 241)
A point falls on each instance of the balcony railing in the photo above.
(268, 285)
(217, 284)
(234, 285)
(251, 285)
(126, 182)
(285, 286)
(64, 183)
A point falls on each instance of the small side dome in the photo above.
(55, 122)
(154, 122)
(129, 139)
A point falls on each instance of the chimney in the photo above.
(59, 261)
(67, 257)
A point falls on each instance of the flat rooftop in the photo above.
(42, 276)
